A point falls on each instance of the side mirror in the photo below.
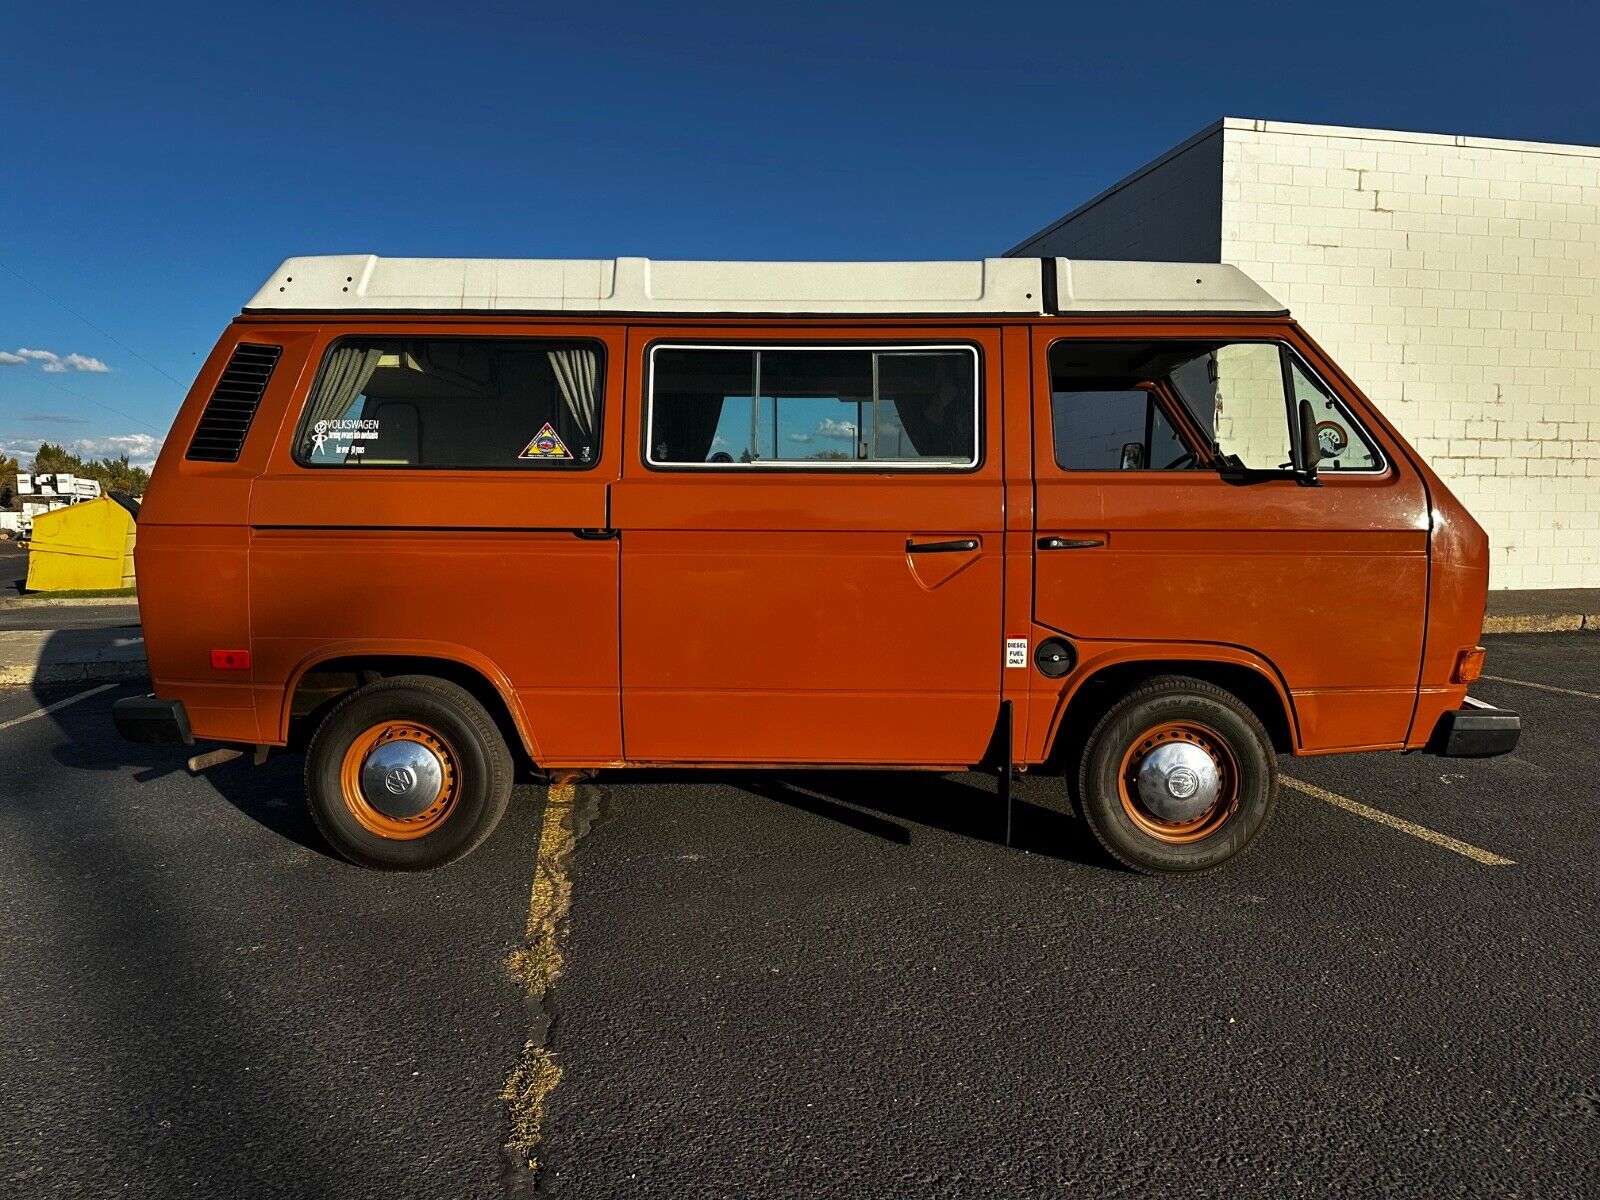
(1310, 447)
(1133, 456)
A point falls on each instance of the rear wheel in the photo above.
(407, 773)
(1178, 778)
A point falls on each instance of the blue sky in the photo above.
(158, 161)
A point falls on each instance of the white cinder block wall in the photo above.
(1457, 279)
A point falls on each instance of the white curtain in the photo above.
(345, 375)
(576, 374)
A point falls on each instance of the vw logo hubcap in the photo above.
(400, 780)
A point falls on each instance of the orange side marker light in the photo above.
(1469, 665)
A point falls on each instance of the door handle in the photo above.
(955, 546)
(1057, 543)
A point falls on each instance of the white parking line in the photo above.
(1393, 822)
(59, 704)
(1543, 687)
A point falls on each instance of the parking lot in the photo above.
(806, 984)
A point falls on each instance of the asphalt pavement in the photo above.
(811, 984)
(13, 566)
(25, 616)
(200, 1000)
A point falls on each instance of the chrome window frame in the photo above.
(870, 466)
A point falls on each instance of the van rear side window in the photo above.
(454, 403)
(813, 406)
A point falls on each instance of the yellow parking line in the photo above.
(1393, 822)
(536, 965)
(1543, 687)
(59, 704)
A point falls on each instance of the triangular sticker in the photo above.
(546, 443)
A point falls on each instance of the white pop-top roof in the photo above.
(367, 283)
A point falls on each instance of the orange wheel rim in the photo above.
(387, 812)
(1193, 828)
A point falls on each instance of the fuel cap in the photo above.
(1054, 657)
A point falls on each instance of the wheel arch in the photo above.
(322, 678)
(1101, 681)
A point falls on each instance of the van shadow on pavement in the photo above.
(888, 805)
(953, 804)
(271, 795)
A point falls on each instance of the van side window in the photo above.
(813, 407)
(1236, 391)
(1114, 430)
(1173, 404)
(1345, 446)
(462, 403)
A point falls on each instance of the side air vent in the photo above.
(219, 437)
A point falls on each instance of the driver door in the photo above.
(1210, 540)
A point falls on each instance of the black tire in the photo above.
(481, 769)
(1223, 835)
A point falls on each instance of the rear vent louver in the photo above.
(219, 437)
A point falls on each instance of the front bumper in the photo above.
(1478, 730)
(152, 722)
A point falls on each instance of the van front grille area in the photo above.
(219, 437)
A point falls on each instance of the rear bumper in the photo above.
(152, 722)
(1477, 730)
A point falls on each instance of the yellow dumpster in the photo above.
(82, 547)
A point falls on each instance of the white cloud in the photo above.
(802, 438)
(843, 431)
(141, 448)
(54, 363)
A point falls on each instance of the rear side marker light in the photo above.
(230, 660)
(1469, 665)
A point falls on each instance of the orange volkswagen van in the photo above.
(1122, 522)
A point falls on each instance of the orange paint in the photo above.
(628, 614)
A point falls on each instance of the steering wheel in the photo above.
(1182, 462)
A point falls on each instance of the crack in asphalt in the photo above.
(570, 810)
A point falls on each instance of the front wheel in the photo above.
(407, 773)
(1178, 778)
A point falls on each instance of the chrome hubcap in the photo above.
(402, 778)
(1178, 782)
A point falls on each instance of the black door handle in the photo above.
(958, 546)
(1056, 543)
(596, 535)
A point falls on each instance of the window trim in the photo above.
(871, 466)
(577, 468)
(1315, 376)
(1285, 350)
